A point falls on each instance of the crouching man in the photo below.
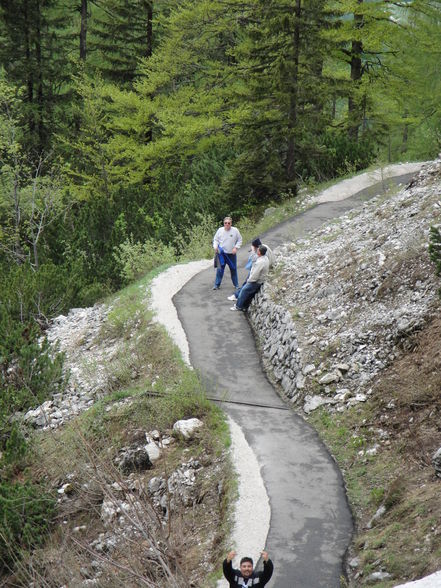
(246, 577)
(257, 276)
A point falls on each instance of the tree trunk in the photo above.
(29, 68)
(291, 155)
(405, 135)
(149, 134)
(83, 30)
(353, 106)
(40, 99)
(354, 114)
(149, 29)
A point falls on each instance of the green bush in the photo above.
(195, 241)
(435, 249)
(30, 371)
(137, 259)
(25, 515)
(342, 155)
(29, 376)
(15, 446)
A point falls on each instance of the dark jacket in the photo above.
(258, 579)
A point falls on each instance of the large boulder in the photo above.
(187, 427)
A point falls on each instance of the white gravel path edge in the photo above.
(162, 290)
(251, 516)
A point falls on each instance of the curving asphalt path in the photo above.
(311, 524)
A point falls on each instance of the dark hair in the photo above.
(256, 242)
(245, 559)
(262, 249)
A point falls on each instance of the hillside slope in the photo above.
(349, 331)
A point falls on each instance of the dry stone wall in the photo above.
(279, 345)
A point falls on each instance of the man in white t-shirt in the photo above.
(226, 243)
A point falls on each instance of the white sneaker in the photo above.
(232, 297)
(234, 308)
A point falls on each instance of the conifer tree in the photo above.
(243, 74)
(363, 37)
(413, 117)
(281, 65)
(121, 33)
(35, 55)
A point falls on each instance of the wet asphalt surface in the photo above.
(311, 523)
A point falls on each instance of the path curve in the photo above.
(311, 524)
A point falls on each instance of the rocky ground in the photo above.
(351, 315)
(355, 293)
(140, 499)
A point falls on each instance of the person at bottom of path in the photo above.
(246, 576)
(258, 274)
(226, 243)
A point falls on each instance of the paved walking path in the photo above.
(311, 524)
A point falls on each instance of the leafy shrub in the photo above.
(34, 295)
(30, 376)
(137, 259)
(377, 495)
(25, 515)
(30, 371)
(343, 155)
(15, 446)
(195, 240)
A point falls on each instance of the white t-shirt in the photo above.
(228, 240)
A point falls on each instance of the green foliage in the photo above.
(363, 36)
(344, 155)
(119, 38)
(137, 259)
(34, 50)
(30, 371)
(185, 399)
(89, 164)
(25, 515)
(195, 239)
(435, 248)
(16, 446)
(414, 116)
(29, 297)
(29, 375)
(377, 495)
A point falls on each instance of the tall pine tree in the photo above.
(120, 34)
(35, 55)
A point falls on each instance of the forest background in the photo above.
(128, 128)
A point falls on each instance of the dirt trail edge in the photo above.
(311, 524)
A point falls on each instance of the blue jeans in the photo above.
(220, 272)
(246, 294)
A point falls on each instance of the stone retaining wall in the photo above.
(275, 331)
